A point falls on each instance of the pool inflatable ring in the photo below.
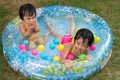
(44, 63)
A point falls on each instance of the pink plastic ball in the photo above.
(92, 47)
(61, 53)
(22, 46)
(70, 56)
(24, 50)
(34, 52)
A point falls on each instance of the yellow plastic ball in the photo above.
(97, 39)
(78, 29)
(60, 47)
(41, 47)
(56, 58)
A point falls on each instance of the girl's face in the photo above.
(30, 20)
(80, 46)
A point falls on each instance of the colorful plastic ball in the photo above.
(26, 42)
(24, 50)
(70, 56)
(34, 52)
(22, 46)
(41, 47)
(49, 58)
(56, 41)
(60, 47)
(97, 39)
(44, 56)
(56, 58)
(82, 57)
(52, 46)
(92, 47)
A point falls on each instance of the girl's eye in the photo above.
(28, 18)
(79, 43)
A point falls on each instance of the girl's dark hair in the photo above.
(29, 8)
(84, 34)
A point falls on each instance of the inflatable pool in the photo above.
(45, 65)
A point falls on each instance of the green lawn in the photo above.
(109, 10)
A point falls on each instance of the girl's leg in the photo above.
(31, 45)
(72, 25)
(40, 41)
(46, 37)
(53, 31)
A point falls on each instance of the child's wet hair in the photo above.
(27, 9)
(84, 34)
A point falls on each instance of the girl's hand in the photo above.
(89, 57)
(31, 27)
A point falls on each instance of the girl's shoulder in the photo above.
(21, 24)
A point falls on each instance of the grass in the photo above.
(109, 10)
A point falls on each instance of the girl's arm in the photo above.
(68, 63)
(68, 48)
(53, 31)
(25, 33)
(37, 27)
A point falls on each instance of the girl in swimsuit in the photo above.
(29, 26)
(83, 38)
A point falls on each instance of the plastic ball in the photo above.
(56, 58)
(22, 46)
(49, 58)
(43, 56)
(56, 41)
(52, 46)
(92, 47)
(41, 47)
(34, 52)
(26, 42)
(24, 50)
(60, 47)
(82, 57)
(70, 56)
(97, 39)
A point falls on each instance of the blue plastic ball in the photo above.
(49, 58)
(43, 56)
(56, 41)
(26, 42)
(52, 46)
